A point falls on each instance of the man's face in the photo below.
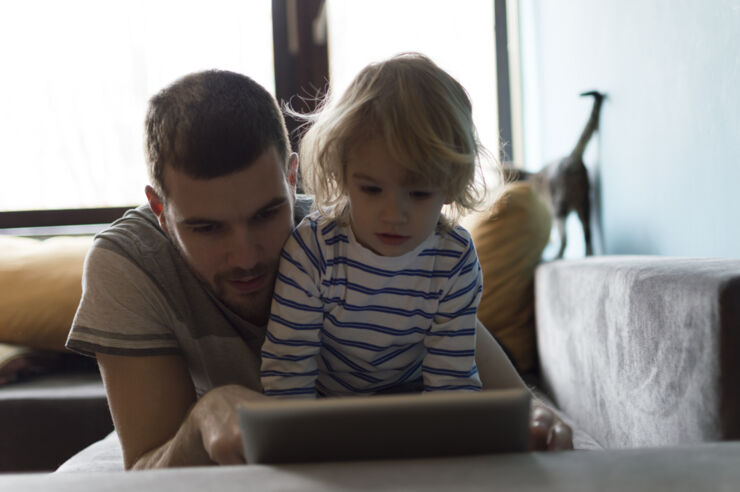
(230, 230)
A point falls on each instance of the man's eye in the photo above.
(421, 195)
(205, 229)
(267, 214)
(370, 190)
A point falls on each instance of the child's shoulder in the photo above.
(320, 229)
(317, 221)
(455, 237)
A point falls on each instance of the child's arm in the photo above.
(450, 360)
(292, 341)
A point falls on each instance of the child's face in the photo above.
(390, 214)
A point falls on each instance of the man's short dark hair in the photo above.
(210, 124)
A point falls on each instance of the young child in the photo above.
(377, 290)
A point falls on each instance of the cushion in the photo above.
(18, 363)
(41, 285)
(509, 241)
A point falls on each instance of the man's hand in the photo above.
(216, 420)
(158, 419)
(546, 431)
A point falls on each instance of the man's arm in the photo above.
(494, 367)
(546, 430)
(149, 398)
(158, 420)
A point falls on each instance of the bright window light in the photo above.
(457, 36)
(77, 76)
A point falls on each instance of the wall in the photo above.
(666, 163)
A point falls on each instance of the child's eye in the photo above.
(370, 190)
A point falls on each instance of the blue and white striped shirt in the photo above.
(347, 321)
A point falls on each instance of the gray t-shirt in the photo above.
(140, 298)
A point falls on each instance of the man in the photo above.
(176, 295)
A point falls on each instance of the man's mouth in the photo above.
(392, 239)
(247, 285)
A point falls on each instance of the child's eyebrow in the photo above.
(415, 179)
(364, 177)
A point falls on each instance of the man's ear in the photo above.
(157, 205)
(292, 171)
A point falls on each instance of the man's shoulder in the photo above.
(140, 243)
(140, 217)
(136, 231)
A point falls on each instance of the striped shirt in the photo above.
(347, 321)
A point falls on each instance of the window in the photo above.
(76, 79)
(78, 75)
(458, 36)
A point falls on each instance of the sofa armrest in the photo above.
(642, 351)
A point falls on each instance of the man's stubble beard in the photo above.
(257, 308)
(253, 307)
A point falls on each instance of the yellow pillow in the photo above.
(509, 241)
(40, 282)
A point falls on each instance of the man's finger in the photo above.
(540, 424)
(560, 437)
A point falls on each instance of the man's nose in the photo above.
(244, 250)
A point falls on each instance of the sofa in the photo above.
(642, 351)
(636, 352)
(52, 403)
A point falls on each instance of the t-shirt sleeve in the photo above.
(122, 311)
(449, 363)
(292, 342)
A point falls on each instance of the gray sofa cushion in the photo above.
(105, 455)
(642, 351)
(45, 420)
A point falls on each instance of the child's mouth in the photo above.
(392, 239)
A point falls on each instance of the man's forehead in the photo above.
(242, 193)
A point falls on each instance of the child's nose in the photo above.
(395, 210)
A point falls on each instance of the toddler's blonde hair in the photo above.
(421, 113)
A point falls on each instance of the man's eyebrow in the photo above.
(274, 203)
(197, 221)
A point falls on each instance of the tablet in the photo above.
(385, 426)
